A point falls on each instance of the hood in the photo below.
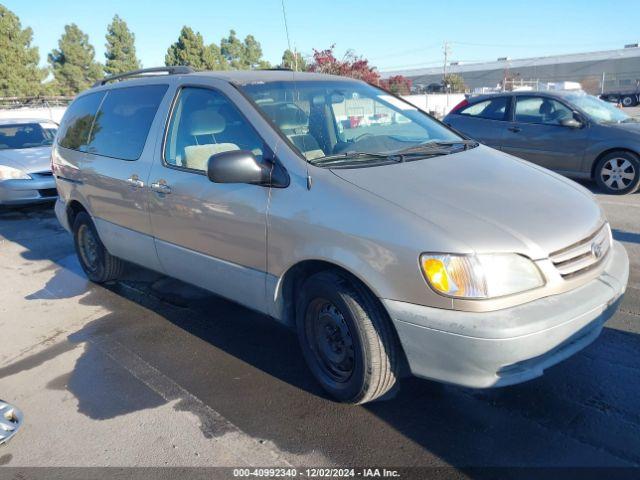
(29, 160)
(633, 127)
(487, 199)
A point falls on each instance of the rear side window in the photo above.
(492, 109)
(77, 121)
(122, 125)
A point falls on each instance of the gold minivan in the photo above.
(392, 244)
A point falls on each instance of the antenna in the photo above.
(293, 76)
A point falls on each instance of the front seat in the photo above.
(294, 123)
(204, 125)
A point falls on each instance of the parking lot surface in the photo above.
(150, 371)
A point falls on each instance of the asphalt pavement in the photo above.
(150, 371)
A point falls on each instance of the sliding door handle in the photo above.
(135, 181)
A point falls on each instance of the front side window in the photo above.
(122, 125)
(325, 119)
(598, 110)
(493, 109)
(26, 135)
(77, 121)
(204, 122)
(541, 110)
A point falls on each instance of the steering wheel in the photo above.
(361, 136)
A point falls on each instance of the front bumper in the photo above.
(22, 192)
(513, 345)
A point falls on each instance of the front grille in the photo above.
(584, 255)
(48, 192)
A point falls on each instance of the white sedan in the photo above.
(25, 164)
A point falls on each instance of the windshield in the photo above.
(343, 119)
(26, 135)
(598, 110)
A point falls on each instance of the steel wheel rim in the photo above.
(618, 173)
(330, 339)
(88, 248)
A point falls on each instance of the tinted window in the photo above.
(492, 109)
(121, 126)
(77, 121)
(25, 135)
(541, 110)
(205, 122)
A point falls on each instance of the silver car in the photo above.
(25, 161)
(391, 244)
(570, 132)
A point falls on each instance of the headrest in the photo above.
(546, 107)
(287, 116)
(206, 122)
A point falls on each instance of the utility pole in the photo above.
(446, 49)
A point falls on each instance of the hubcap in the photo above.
(88, 247)
(618, 173)
(330, 339)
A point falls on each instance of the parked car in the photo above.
(25, 161)
(573, 133)
(400, 247)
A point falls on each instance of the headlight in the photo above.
(10, 173)
(480, 276)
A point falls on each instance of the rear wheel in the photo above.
(99, 265)
(346, 338)
(628, 101)
(618, 173)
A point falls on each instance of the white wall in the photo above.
(438, 104)
(52, 113)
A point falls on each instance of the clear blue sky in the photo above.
(390, 33)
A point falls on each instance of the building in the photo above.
(610, 70)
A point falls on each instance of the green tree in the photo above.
(19, 71)
(73, 62)
(294, 61)
(190, 50)
(120, 48)
(454, 83)
(242, 55)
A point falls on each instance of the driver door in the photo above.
(537, 135)
(209, 234)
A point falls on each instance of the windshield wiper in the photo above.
(441, 147)
(346, 156)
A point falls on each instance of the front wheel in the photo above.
(618, 173)
(628, 101)
(99, 265)
(346, 338)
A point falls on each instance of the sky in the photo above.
(392, 34)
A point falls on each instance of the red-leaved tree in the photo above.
(351, 65)
(398, 85)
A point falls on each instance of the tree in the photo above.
(20, 74)
(351, 65)
(454, 83)
(120, 48)
(242, 55)
(294, 61)
(73, 62)
(398, 85)
(190, 50)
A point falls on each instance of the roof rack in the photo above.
(173, 70)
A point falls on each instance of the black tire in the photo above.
(356, 333)
(99, 265)
(613, 170)
(628, 101)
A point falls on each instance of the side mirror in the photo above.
(571, 123)
(242, 166)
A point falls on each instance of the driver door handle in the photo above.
(160, 187)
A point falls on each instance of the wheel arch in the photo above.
(291, 281)
(74, 207)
